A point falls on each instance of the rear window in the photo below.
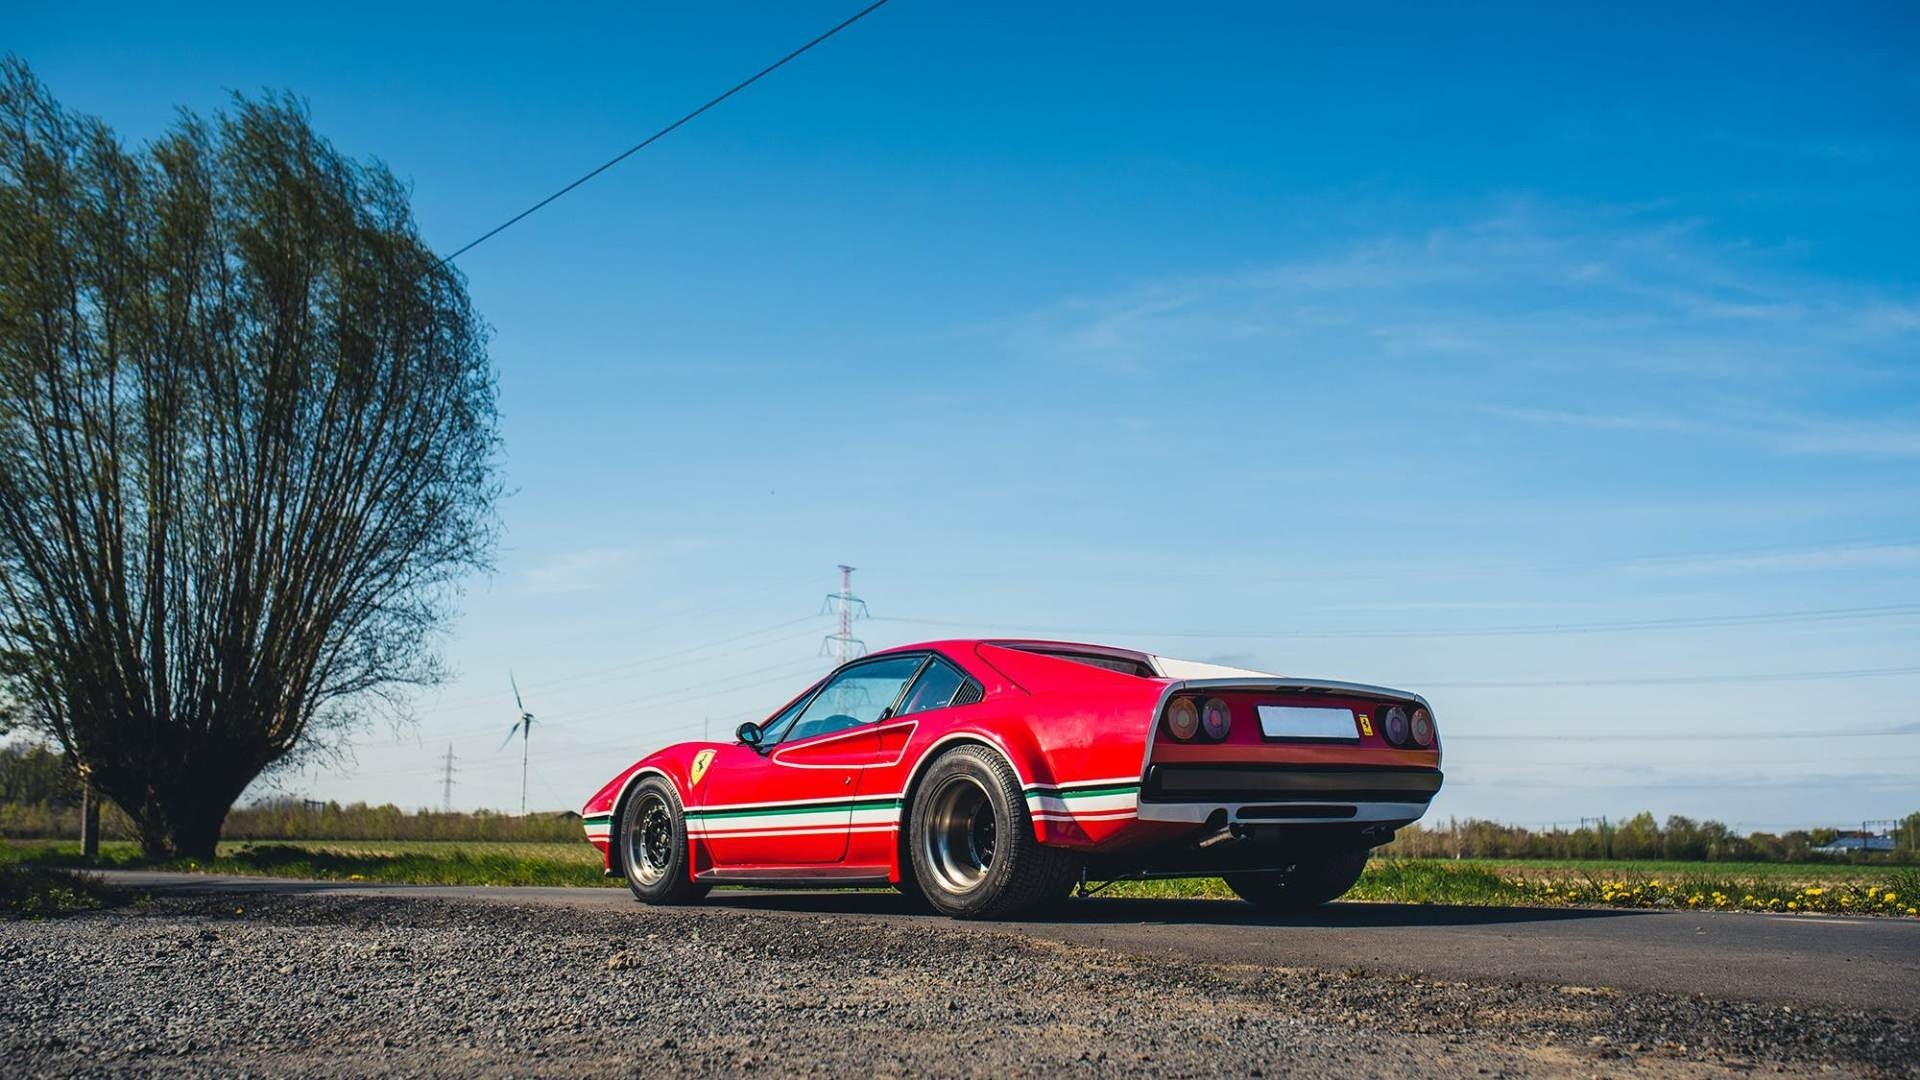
(1122, 664)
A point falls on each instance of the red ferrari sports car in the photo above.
(991, 776)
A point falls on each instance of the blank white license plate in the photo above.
(1306, 722)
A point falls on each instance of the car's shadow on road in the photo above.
(1096, 910)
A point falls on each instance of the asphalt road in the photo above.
(1819, 961)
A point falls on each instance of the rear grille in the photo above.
(1281, 784)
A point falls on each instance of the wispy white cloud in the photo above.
(1526, 288)
(1836, 557)
(1814, 437)
(580, 569)
(1599, 421)
(1855, 440)
(1573, 320)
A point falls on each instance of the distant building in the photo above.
(1855, 843)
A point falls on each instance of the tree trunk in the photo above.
(197, 836)
(155, 845)
(177, 824)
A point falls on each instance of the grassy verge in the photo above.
(30, 891)
(1688, 886)
(1809, 873)
(412, 862)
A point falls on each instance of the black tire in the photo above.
(653, 846)
(971, 840)
(1306, 885)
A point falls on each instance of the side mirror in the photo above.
(749, 734)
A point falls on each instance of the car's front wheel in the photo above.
(1303, 886)
(971, 839)
(653, 846)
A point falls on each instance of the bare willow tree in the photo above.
(247, 437)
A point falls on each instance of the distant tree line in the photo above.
(40, 800)
(1638, 837)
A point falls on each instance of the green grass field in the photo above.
(1782, 887)
(1811, 873)
(416, 862)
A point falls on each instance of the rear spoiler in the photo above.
(1290, 686)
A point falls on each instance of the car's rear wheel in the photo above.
(653, 846)
(1305, 885)
(971, 840)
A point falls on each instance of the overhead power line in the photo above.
(1874, 785)
(662, 133)
(789, 670)
(1794, 761)
(1400, 572)
(1523, 630)
(1722, 734)
(612, 673)
(1685, 680)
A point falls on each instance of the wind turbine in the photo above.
(522, 727)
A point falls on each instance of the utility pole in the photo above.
(1606, 834)
(89, 817)
(446, 783)
(848, 607)
(1874, 830)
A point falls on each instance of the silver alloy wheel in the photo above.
(650, 841)
(959, 832)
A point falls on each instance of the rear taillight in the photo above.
(1422, 727)
(1183, 719)
(1215, 719)
(1396, 727)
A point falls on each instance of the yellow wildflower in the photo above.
(1793, 905)
(1816, 891)
(1892, 896)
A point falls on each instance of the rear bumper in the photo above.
(1287, 794)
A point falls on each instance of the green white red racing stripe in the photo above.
(874, 813)
(1086, 800)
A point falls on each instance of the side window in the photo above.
(772, 730)
(939, 686)
(858, 695)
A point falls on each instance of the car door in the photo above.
(939, 685)
(789, 801)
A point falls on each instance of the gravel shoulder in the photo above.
(346, 984)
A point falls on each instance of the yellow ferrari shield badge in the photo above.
(700, 762)
(1366, 728)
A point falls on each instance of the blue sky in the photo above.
(1396, 345)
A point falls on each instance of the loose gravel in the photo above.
(347, 986)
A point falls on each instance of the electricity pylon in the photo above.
(848, 607)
